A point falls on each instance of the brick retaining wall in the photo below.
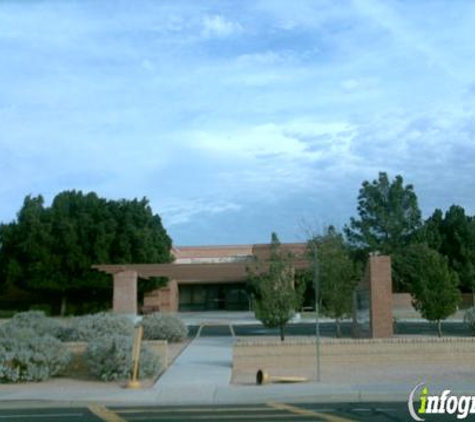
(276, 356)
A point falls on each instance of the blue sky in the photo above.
(237, 118)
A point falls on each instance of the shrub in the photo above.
(36, 321)
(469, 318)
(110, 358)
(103, 324)
(164, 327)
(27, 356)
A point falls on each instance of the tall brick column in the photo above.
(125, 292)
(373, 313)
(381, 293)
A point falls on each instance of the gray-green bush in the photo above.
(110, 358)
(27, 356)
(164, 327)
(469, 318)
(102, 324)
(36, 321)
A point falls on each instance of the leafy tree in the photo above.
(53, 248)
(24, 243)
(453, 235)
(274, 292)
(388, 215)
(337, 276)
(432, 283)
(458, 231)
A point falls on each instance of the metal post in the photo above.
(316, 285)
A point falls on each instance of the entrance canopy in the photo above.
(190, 273)
(193, 265)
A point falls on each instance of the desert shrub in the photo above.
(110, 358)
(27, 356)
(36, 321)
(103, 324)
(164, 327)
(469, 318)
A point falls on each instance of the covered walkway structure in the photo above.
(200, 278)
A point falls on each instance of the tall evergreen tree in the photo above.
(389, 218)
(388, 215)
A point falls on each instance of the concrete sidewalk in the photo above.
(204, 367)
(201, 376)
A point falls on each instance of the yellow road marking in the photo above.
(307, 412)
(220, 417)
(105, 414)
(195, 409)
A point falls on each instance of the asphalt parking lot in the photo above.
(328, 329)
(334, 412)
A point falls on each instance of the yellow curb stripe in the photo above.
(105, 414)
(220, 417)
(308, 412)
(198, 333)
(196, 410)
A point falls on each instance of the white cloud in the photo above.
(359, 84)
(218, 26)
(287, 139)
(181, 211)
(408, 35)
(309, 100)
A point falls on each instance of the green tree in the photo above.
(458, 232)
(389, 217)
(25, 242)
(432, 283)
(52, 249)
(453, 235)
(337, 276)
(273, 289)
(431, 231)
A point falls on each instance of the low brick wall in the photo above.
(299, 355)
(160, 347)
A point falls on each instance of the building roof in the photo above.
(208, 263)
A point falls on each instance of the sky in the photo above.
(236, 119)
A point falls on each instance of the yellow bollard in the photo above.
(262, 377)
(134, 383)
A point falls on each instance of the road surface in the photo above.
(334, 412)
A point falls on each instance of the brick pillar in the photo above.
(381, 294)
(125, 292)
(169, 297)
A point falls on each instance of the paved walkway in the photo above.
(204, 367)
